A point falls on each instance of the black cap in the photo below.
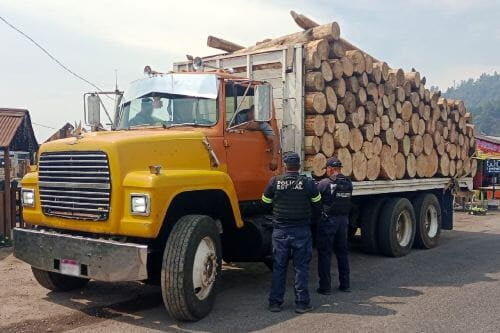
(334, 162)
(291, 158)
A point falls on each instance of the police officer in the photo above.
(295, 199)
(332, 229)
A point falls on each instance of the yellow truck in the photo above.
(174, 188)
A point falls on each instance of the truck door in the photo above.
(247, 151)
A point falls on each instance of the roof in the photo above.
(488, 147)
(16, 132)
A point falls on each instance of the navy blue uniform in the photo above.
(295, 199)
(332, 230)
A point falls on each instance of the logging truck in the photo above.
(166, 200)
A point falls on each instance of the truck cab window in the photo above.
(235, 97)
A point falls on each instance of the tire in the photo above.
(396, 231)
(58, 282)
(369, 226)
(191, 264)
(428, 216)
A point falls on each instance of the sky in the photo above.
(446, 40)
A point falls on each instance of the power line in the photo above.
(43, 125)
(50, 55)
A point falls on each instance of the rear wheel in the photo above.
(428, 215)
(397, 226)
(369, 226)
(191, 264)
(58, 282)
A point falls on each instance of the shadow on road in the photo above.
(379, 285)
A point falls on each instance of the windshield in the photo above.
(168, 111)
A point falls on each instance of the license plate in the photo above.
(70, 267)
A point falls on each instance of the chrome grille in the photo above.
(75, 185)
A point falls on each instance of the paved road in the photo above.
(453, 288)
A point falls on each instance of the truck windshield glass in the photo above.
(168, 111)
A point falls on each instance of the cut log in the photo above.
(407, 127)
(399, 76)
(370, 112)
(400, 162)
(352, 84)
(376, 75)
(444, 165)
(384, 69)
(361, 115)
(314, 125)
(337, 68)
(359, 165)
(367, 149)
(361, 97)
(337, 50)
(384, 122)
(427, 114)
(330, 31)
(391, 113)
(381, 90)
(405, 145)
(377, 146)
(347, 66)
(315, 102)
(316, 163)
(349, 102)
(314, 81)
(440, 148)
(356, 142)
(421, 165)
(385, 101)
(372, 92)
(327, 145)
(387, 163)
(222, 44)
(345, 158)
(407, 88)
(400, 94)
(473, 167)
(428, 143)
(326, 71)
(373, 168)
(331, 98)
(380, 107)
(339, 87)
(312, 145)
(411, 166)
(368, 64)
(451, 149)
(312, 60)
(387, 136)
(406, 111)
(459, 168)
(330, 123)
(437, 138)
(340, 113)
(363, 79)
(398, 128)
(352, 120)
(460, 105)
(417, 145)
(358, 60)
(413, 78)
(415, 99)
(368, 132)
(466, 167)
(421, 127)
(342, 135)
(414, 124)
(452, 168)
(432, 164)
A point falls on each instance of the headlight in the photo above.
(28, 197)
(139, 204)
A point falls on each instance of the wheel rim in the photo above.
(431, 221)
(403, 229)
(204, 268)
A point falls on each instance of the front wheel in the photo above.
(58, 282)
(191, 264)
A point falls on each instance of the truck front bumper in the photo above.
(97, 259)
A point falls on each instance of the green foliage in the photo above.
(482, 98)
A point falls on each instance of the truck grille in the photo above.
(75, 185)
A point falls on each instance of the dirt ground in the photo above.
(454, 287)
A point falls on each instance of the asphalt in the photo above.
(452, 288)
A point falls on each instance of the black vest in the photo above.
(337, 199)
(291, 201)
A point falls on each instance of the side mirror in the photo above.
(263, 100)
(93, 110)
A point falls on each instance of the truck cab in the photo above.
(163, 197)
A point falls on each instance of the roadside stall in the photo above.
(18, 146)
(487, 179)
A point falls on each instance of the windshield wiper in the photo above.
(188, 124)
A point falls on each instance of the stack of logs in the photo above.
(382, 123)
